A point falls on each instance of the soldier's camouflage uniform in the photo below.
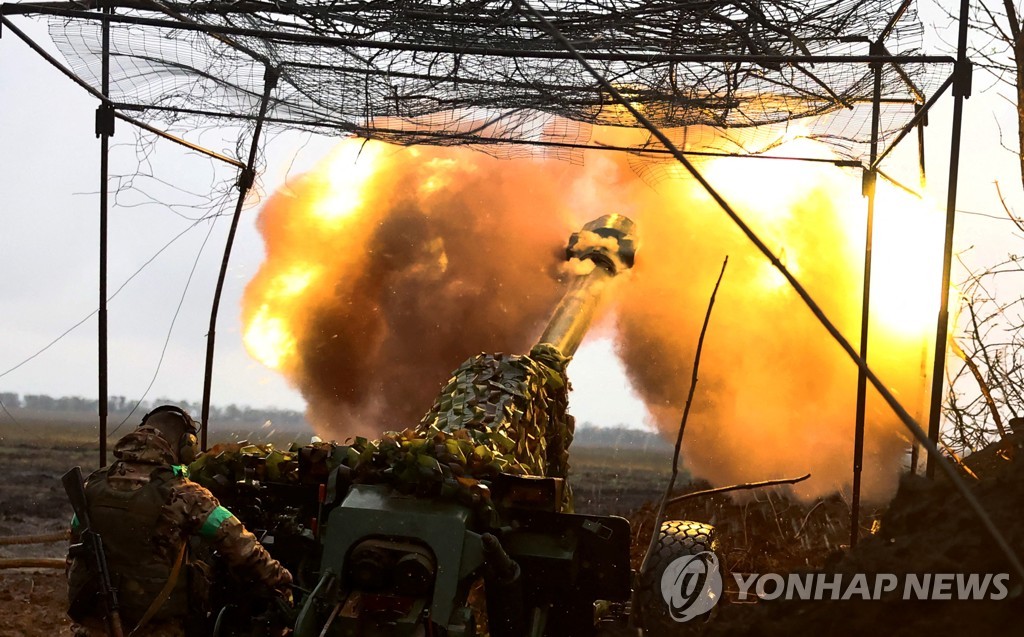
(146, 510)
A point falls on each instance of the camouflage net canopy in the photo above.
(497, 414)
(487, 73)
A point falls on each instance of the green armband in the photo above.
(75, 524)
(180, 470)
(214, 520)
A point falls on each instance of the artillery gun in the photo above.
(458, 526)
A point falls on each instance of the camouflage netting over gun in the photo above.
(512, 408)
(497, 414)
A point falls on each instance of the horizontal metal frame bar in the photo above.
(468, 138)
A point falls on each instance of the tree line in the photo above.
(123, 405)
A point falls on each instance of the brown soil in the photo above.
(32, 502)
(33, 604)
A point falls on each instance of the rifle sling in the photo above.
(164, 593)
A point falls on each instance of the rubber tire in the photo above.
(675, 539)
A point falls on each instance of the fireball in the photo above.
(387, 267)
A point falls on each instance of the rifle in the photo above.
(90, 548)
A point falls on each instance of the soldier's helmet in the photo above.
(177, 428)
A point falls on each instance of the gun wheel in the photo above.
(677, 538)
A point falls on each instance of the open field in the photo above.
(33, 456)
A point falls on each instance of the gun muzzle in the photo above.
(602, 249)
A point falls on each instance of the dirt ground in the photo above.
(925, 529)
(32, 502)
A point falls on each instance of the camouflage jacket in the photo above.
(146, 509)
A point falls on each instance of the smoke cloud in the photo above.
(388, 267)
(444, 255)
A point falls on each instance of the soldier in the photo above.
(146, 510)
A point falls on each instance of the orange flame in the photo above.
(386, 267)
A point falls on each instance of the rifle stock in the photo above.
(90, 548)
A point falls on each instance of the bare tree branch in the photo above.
(736, 487)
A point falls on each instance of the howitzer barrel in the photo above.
(603, 249)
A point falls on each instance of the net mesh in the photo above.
(487, 73)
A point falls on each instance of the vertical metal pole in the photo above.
(104, 129)
(915, 448)
(961, 90)
(245, 181)
(870, 179)
(922, 175)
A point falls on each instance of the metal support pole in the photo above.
(923, 175)
(915, 449)
(104, 129)
(870, 181)
(245, 181)
(961, 91)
